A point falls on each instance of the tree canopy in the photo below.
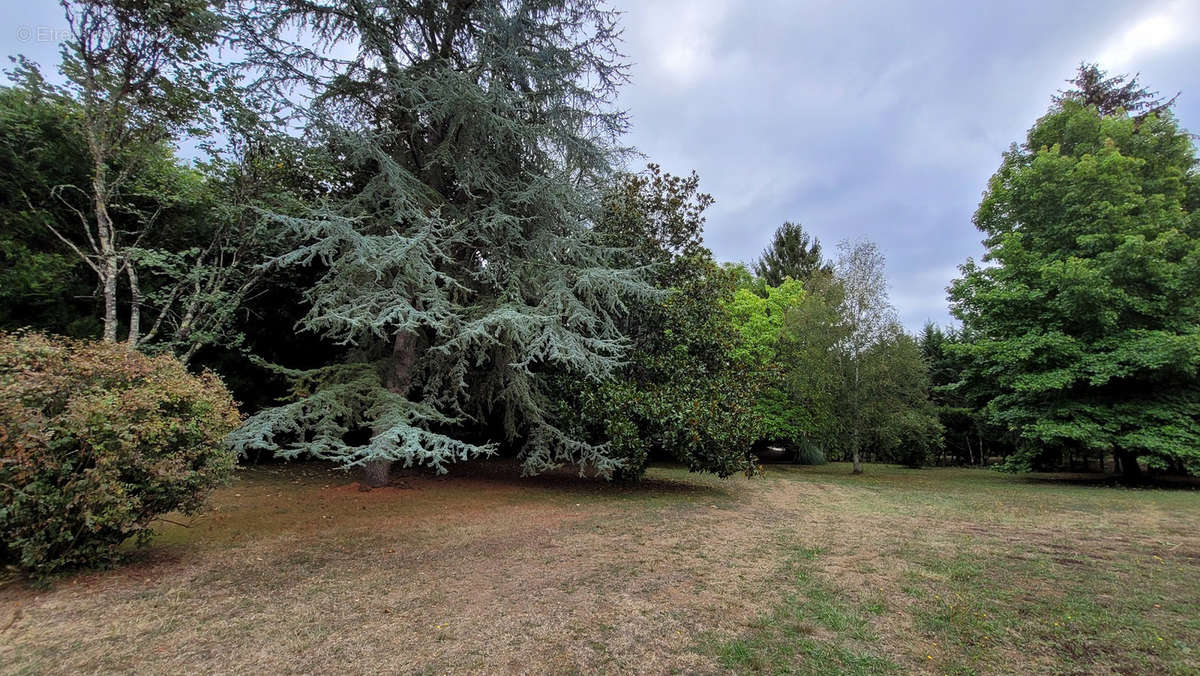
(1084, 313)
(407, 232)
(1094, 87)
(474, 141)
(683, 394)
(792, 253)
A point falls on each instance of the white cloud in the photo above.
(683, 34)
(1160, 29)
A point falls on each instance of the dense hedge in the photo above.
(96, 440)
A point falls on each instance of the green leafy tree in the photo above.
(895, 413)
(192, 271)
(869, 319)
(963, 442)
(812, 360)
(41, 283)
(839, 372)
(471, 142)
(683, 395)
(205, 268)
(1085, 314)
(743, 278)
(792, 253)
(969, 436)
(762, 321)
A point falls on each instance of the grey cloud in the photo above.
(855, 118)
(882, 120)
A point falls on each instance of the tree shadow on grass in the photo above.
(1165, 482)
(663, 479)
(567, 480)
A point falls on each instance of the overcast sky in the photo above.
(854, 118)
(875, 119)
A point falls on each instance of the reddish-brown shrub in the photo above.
(96, 440)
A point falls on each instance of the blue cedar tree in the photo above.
(470, 141)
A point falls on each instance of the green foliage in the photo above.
(1093, 87)
(969, 438)
(792, 253)
(331, 404)
(96, 441)
(202, 266)
(1085, 317)
(40, 148)
(811, 360)
(687, 396)
(139, 67)
(761, 321)
(809, 453)
(880, 390)
(838, 373)
(190, 240)
(139, 75)
(683, 394)
(744, 279)
(901, 421)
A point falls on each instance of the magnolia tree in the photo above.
(683, 392)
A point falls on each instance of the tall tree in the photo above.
(194, 269)
(681, 395)
(137, 69)
(970, 437)
(1086, 315)
(869, 321)
(896, 414)
(792, 253)
(765, 348)
(203, 275)
(471, 141)
(810, 352)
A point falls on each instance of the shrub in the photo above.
(96, 441)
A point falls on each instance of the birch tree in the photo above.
(869, 319)
(136, 68)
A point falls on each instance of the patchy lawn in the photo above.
(809, 569)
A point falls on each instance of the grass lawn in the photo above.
(806, 570)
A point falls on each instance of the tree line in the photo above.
(406, 234)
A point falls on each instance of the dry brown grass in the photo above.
(292, 569)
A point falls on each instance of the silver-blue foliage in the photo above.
(469, 142)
